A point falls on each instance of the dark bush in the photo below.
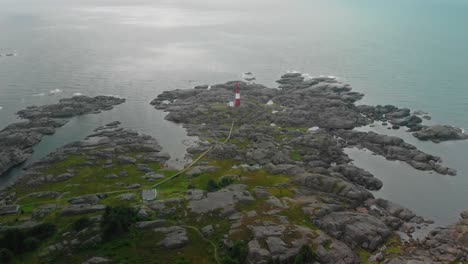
(81, 224)
(42, 231)
(181, 261)
(237, 254)
(212, 186)
(229, 260)
(225, 181)
(31, 243)
(13, 240)
(19, 241)
(117, 221)
(305, 255)
(5, 255)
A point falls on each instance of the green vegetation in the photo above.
(364, 256)
(122, 242)
(81, 224)
(295, 215)
(241, 144)
(296, 156)
(5, 255)
(21, 241)
(394, 247)
(328, 243)
(237, 254)
(306, 255)
(213, 186)
(262, 178)
(280, 192)
(393, 250)
(117, 221)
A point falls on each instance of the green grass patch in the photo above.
(176, 188)
(262, 178)
(281, 192)
(88, 180)
(394, 247)
(364, 256)
(295, 155)
(241, 144)
(295, 215)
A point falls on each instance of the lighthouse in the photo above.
(237, 98)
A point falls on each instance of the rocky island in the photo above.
(17, 140)
(269, 183)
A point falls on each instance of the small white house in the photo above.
(149, 195)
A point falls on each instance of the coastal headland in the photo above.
(269, 183)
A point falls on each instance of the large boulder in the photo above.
(175, 237)
(97, 260)
(356, 229)
(221, 199)
(333, 185)
(126, 160)
(80, 209)
(257, 254)
(359, 176)
(440, 133)
(85, 199)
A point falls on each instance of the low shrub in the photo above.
(237, 254)
(212, 186)
(5, 255)
(117, 221)
(81, 224)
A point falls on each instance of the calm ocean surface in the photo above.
(411, 53)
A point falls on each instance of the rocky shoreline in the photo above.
(280, 190)
(18, 139)
(300, 130)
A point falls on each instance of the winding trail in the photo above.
(145, 187)
(206, 240)
(196, 160)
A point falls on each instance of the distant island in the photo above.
(269, 182)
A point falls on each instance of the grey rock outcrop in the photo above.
(218, 200)
(334, 185)
(356, 229)
(440, 133)
(18, 139)
(393, 148)
(359, 176)
(81, 209)
(175, 237)
(97, 260)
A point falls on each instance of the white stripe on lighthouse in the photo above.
(237, 95)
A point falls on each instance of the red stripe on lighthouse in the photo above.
(237, 98)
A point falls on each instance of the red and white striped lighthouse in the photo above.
(237, 98)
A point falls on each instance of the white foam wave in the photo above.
(39, 94)
(77, 94)
(307, 76)
(55, 91)
(1, 107)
